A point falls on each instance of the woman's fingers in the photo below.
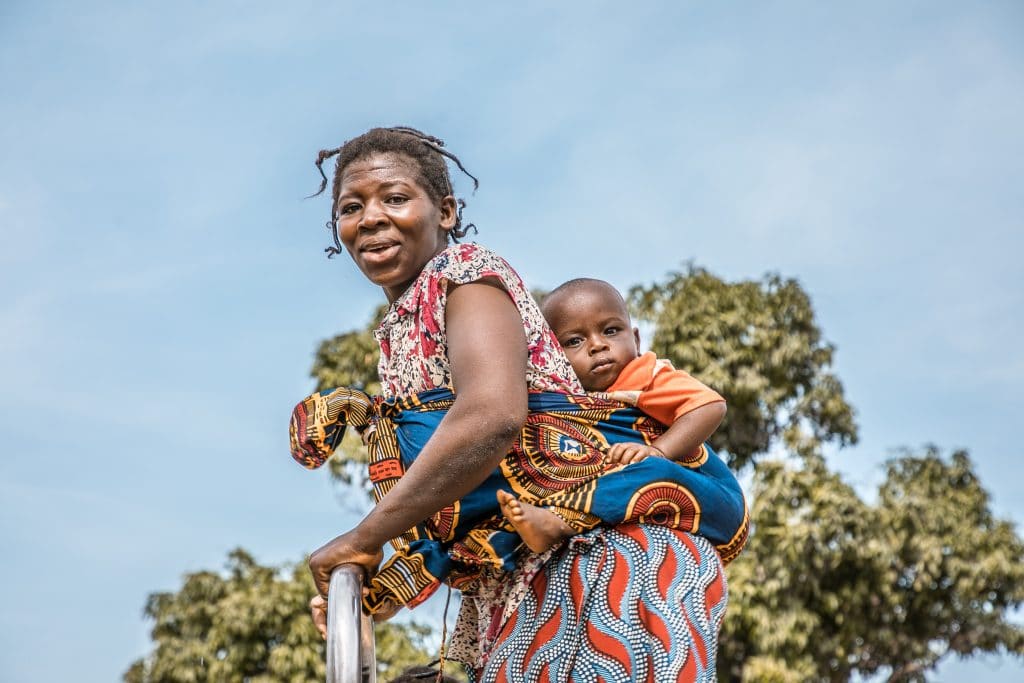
(344, 549)
(388, 610)
(321, 568)
(318, 610)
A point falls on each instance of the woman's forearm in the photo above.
(487, 356)
(468, 444)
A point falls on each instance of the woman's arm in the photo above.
(487, 354)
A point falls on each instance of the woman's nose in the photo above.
(373, 215)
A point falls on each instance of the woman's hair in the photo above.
(427, 151)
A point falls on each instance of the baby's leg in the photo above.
(539, 528)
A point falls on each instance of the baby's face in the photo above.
(593, 327)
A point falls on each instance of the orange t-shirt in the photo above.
(661, 391)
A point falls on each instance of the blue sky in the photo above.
(162, 284)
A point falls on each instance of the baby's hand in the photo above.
(626, 453)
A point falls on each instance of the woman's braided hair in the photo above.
(427, 151)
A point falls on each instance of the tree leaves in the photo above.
(757, 343)
(349, 359)
(830, 586)
(251, 624)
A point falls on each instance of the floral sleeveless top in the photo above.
(413, 345)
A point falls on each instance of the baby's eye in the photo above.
(609, 331)
(572, 342)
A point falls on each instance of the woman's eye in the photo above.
(397, 199)
(349, 208)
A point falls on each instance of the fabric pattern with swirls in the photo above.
(633, 603)
(557, 462)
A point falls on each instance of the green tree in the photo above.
(758, 344)
(831, 586)
(954, 570)
(251, 624)
(349, 359)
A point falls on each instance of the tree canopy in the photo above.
(758, 344)
(829, 587)
(251, 624)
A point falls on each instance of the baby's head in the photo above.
(591, 321)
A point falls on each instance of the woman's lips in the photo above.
(378, 252)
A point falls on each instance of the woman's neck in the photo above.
(396, 292)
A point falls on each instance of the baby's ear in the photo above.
(636, 336)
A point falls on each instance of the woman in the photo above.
(632, 603)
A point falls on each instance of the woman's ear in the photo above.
(449, 212)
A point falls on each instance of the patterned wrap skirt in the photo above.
(636, 602)
(558, 463)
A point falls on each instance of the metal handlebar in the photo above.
(350, 645)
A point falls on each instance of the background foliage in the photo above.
(251, 624)
(758, 344)
(830, 586)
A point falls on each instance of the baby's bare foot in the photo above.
(539, 528)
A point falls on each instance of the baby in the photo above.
(591, 321)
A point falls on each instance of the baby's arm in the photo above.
(691, 410)
(682, 438)
(691, 430)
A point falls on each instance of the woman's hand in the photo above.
(348, 548)
(318, 610)
(387, 610)
(626, 453)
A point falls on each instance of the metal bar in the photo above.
(350, 647)
(367, 650)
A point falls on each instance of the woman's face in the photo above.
(387, 221)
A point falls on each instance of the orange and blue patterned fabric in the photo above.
(634, 602)
(557, 462)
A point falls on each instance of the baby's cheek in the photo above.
(578, 362)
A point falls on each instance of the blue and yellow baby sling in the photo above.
(557, 462)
